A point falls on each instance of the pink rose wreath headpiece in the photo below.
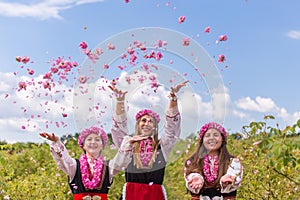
(210, 125)
(89, 131)
(147, 112)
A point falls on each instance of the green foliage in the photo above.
(270, 157)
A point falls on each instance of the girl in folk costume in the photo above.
(212, 172)
(89, 177)
(146, 156)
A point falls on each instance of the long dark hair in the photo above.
(195, 163)
(137, 146)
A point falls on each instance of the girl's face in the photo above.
(212, 140)
(93, 145)
(146, 125)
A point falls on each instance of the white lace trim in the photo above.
(207, 198)
(124, 192)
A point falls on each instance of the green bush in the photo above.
(270, 157)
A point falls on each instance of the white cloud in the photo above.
(42, 10)
(264, 106)
(194, 110)
(294, 34)
(260, 104)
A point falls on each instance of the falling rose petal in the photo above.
(18, 58)
(126, 1)
(98, 51)
(181, 19)
(185, 41)
(30, 71)
(23, 127)
(106, 66)
(159, 43)
(25, 59)
(222, 37)
(82, 79)
(207, 29)
(221, 58)
(110, 46)
(22, 85)
(188, 162)
(64, 115)
(83, 45)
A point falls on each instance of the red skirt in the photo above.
(90, 196)
(141, 191)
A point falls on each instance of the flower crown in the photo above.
(147, 112)
(89, 131)
(210, 125)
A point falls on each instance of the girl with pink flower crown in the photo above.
(89, 177)
(212, 172)
(146, 156)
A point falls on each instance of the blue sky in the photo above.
(260, 73)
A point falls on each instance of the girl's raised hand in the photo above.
(48, 136)
(175, 89)
(120, 95)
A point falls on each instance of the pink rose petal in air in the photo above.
(82, 79)
(181, 19)
(207, 29)
(222, 37)
(221, 58)
(185, 41)
(22, 85)
(83, 45)
(110, 46)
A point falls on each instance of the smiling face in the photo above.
(146, 125)
(93, 145)
(212, 140)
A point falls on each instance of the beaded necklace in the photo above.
(210, 168)
(88, 182)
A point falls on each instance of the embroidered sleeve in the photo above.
(122, 158)
(191, 175)
(235, 169)
(171, 132)
(62, 158)
(119, 129)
